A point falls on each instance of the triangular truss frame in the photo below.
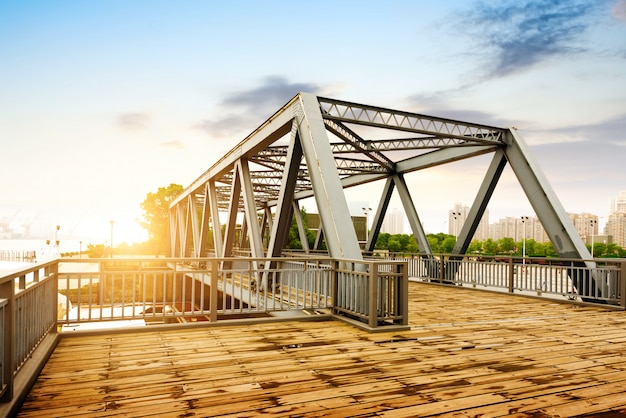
(310, 148)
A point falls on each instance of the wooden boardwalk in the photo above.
(468, 354)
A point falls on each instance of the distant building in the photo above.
(457, 218)
(616, 228)
(618, 203)
(394, 222)
(586, 224)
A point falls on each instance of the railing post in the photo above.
(334, 286)
(511, 277)
(372, 303)
(53, 273)
(622, 284)
(442, 261)
(8, 333)
(403, 297)
(213, 296)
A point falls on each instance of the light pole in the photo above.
(56, 238)
(80, 249)
(593, 222)
(524, 219)
(112, 222)
(366, 211)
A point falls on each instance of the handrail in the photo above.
(371, 293)
(28, 315)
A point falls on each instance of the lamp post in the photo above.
(524, 219)
(56, 238)
(593, 222)
(112, 222)
(366, 211)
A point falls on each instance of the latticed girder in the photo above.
(357, 143)
(408, 122)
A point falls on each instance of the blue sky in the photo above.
(104, 101)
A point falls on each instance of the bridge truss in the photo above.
(316, 147)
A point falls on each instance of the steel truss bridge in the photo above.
(316, 147)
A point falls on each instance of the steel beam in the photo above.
(284, 209)
(251, 215)
(231, 223)
(331, 202)
(411, 213)
(304, 240)
(543, 199)
(440, 157)
(215, 218)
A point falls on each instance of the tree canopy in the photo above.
(156, 215)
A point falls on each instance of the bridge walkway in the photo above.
(467, 353)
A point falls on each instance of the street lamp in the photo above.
(112, 222)
(56, 238)
(524, 219)
(593, 222)
(366, 211)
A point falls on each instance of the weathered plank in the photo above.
(467, 353)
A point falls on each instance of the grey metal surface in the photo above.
(316, 147)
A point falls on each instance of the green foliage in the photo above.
(156, 215)
(444, 243)
(293, 241)
(448, 244)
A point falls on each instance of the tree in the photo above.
(490, 246)
(394, 244)
(382, 242)
(156, 215)
(412, 246)
(507, 245)
(294, 235)
(447, 244)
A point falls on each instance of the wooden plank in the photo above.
(467, 352)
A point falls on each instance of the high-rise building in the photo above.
(586, 224)
(618, 203)
(456, 218)
(518, 228)
(616, 228)
(393, 222)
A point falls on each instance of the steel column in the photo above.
(411, 213)
(331, 202)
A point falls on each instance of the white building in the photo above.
(394, 222)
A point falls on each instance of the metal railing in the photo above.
(189, 290)
(18, 255)
(595, 281)
(41, 300)
(372, 293)
(29, 314)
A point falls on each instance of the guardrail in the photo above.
(18, 255)
(29, 314)
(38, 301)
(374, 293)
(594, 281)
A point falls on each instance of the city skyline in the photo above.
(105, 102)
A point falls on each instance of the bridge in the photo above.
(242, 282)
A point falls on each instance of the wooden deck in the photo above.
(468, 353)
